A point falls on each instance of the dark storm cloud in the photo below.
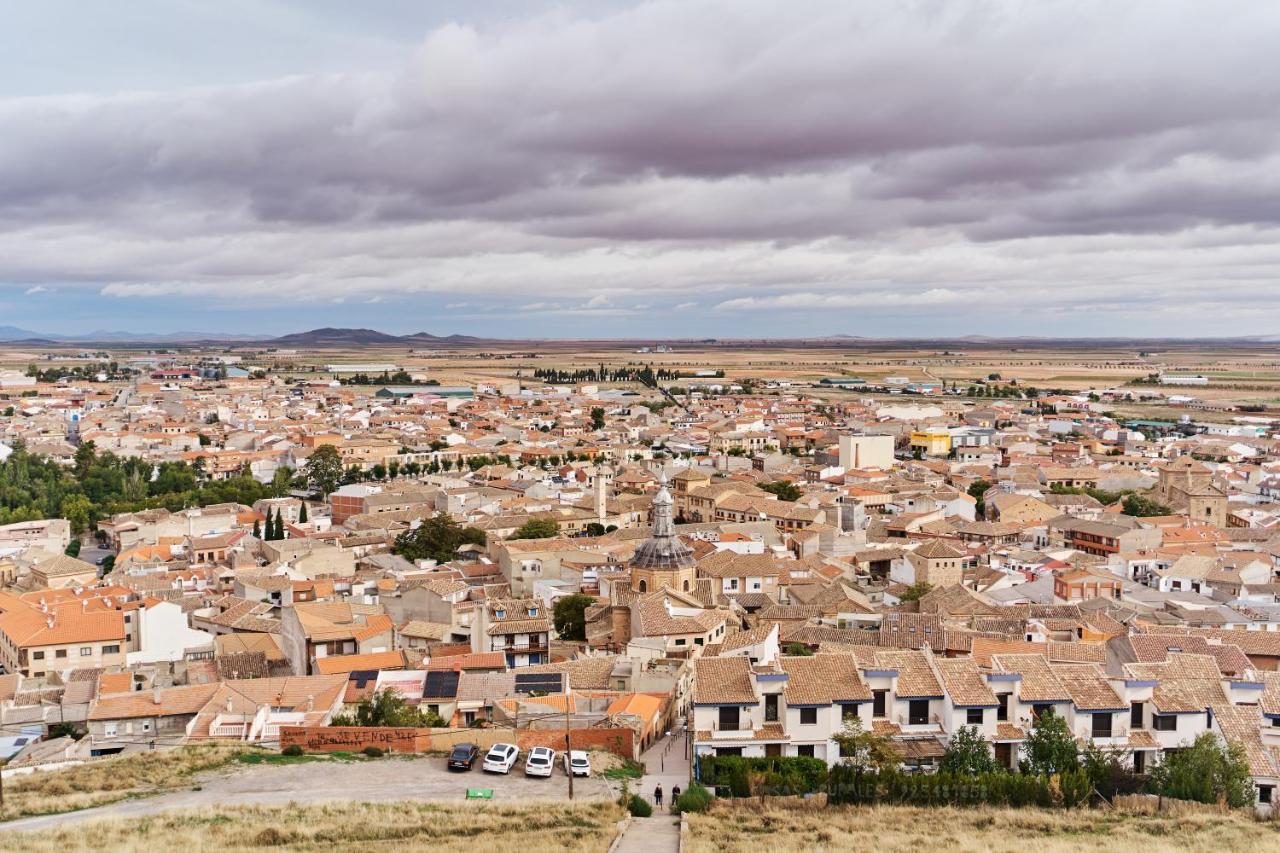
(797, 156)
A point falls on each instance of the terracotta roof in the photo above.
(823, 679)
(722, 681)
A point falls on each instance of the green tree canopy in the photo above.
(570, 616)
(537, 528)
(1206, 771)
(1050, 746)
(785, 490)
(387, 708)
(1140, 507)
(323, 470)
(916, 591)
(437, 538)
(968, 754)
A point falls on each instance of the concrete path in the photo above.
(666, 763)
(657, 834)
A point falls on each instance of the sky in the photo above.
(693, 168)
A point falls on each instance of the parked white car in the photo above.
(540, 761)
(501, 758)
(577, 763)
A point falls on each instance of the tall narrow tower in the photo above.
(662, 560)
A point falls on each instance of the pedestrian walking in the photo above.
(657, 796)
(675, 795)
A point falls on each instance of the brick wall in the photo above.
(354, 739)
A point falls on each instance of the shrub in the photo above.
(695, 798)
(791, 774)
(373, 752)
(638, 806)
(292, 750)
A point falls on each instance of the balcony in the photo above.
(745, 731)
(228, 730)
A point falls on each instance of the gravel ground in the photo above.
(422, 778)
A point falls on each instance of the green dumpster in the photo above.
(479, 793)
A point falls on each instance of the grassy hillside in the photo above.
(974, 831)
(460, 828)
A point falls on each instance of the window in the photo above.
(60, 653)
(146, 725)
(680, 642)
(1139, 761)
(1101, 725)
(1038, 711)
(848, 713)
(1264, 793)
(771, 708)
(1136, 719)
(533, 611)
(110, 650)
(37, 655)
(110, 729)
(807, 750)
(974, 716)
(879, 703)
(729, 718)
(918, 712)
(1164, 722)
(1002, 706)
(808, 716)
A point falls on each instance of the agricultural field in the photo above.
(879, 828)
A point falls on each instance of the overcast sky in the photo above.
(586, 169)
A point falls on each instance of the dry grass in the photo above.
(109, 780)
(347, 826)
(747, 830)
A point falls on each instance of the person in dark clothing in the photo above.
(657, 796)
(675, 795)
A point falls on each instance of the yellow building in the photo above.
(931, 442)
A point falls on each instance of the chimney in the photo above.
(49, 620)
(228, 704)
(156, 695)
(311, 703)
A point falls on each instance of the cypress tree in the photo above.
(302, 513)
(257, 529)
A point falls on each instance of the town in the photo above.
(667, 574)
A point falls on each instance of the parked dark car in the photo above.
(464, 755)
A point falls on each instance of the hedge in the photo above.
(785, 774)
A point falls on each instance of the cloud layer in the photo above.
(955, 162)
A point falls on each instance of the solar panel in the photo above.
(539, 682)
(441, 684)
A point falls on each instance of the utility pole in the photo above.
(568, 744)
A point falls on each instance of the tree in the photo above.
(864, 751)
(978, 490)
(323, 470)
(916, 591)
(569, 615)
(785, 490)
(595, 528)
(1140, 507)
(77, 509)
(797, 650)
(279, 523)
(302, 513)
(1050, 746)
(257, 529)
(537, 528)
(437, 538)
(388, 708)
(73, 548)
(1208, 771)
(281, 482)
(968, 754)
(597, 418)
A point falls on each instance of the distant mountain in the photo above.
(13, 333)
(335, 337)
(427, 337)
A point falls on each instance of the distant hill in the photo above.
(13, 333)
(335, 337)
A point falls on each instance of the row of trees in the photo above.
(98, 485)
(644, 374)
(274, 528)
